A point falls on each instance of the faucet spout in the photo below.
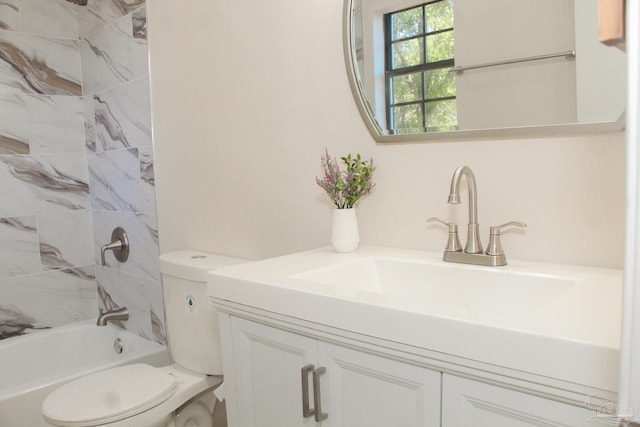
(110, 315)
(473, 245)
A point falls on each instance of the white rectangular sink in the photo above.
(554, 320)
(482, 288)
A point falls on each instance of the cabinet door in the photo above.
(363, 390)
(267, 371)
(467, 403)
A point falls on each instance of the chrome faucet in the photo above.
(111, 315)
(472, 254)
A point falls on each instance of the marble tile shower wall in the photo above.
(76, 161)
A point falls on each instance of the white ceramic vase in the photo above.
(344, 230)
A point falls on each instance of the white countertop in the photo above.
(570, 332)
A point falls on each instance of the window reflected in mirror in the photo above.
(420, 87)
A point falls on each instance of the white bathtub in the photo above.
(33, 365)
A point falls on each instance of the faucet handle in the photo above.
(452, 226)
(495, 247)
(453, 244)
(119, 245)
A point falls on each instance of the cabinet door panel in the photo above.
(371, 391)
(267, 369)
(469, 403)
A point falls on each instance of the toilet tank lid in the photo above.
(194, 265)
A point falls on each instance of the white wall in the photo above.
(246, 95)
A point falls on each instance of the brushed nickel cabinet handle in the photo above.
(319, 415)
(305, 371)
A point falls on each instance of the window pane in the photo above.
(439, 16)
(407, 88)
(421, 40)
(440, 47)
(439, 83)
(442, 115)
(407, 53)
(407, 24)
(407, 118)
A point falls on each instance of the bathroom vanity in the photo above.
(388, 337)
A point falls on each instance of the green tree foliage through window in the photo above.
(421, 92)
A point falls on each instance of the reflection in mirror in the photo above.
(453, 68)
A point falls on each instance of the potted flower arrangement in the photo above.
(345, 188)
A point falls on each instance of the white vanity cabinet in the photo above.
(471, 403)
(395, 338)
(266, 366)
(271, 367)
(269, 363)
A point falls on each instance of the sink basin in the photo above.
(470, 287)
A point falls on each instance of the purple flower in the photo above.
(345, 188)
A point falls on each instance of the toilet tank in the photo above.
(191, 319)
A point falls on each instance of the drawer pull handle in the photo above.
(305, 371)
(319, 415)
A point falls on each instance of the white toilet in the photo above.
(143, 396)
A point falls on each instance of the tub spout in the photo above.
(109, 315)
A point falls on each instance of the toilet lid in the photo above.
(108, 396)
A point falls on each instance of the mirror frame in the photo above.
(490, 133)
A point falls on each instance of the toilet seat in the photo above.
(109, 396)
